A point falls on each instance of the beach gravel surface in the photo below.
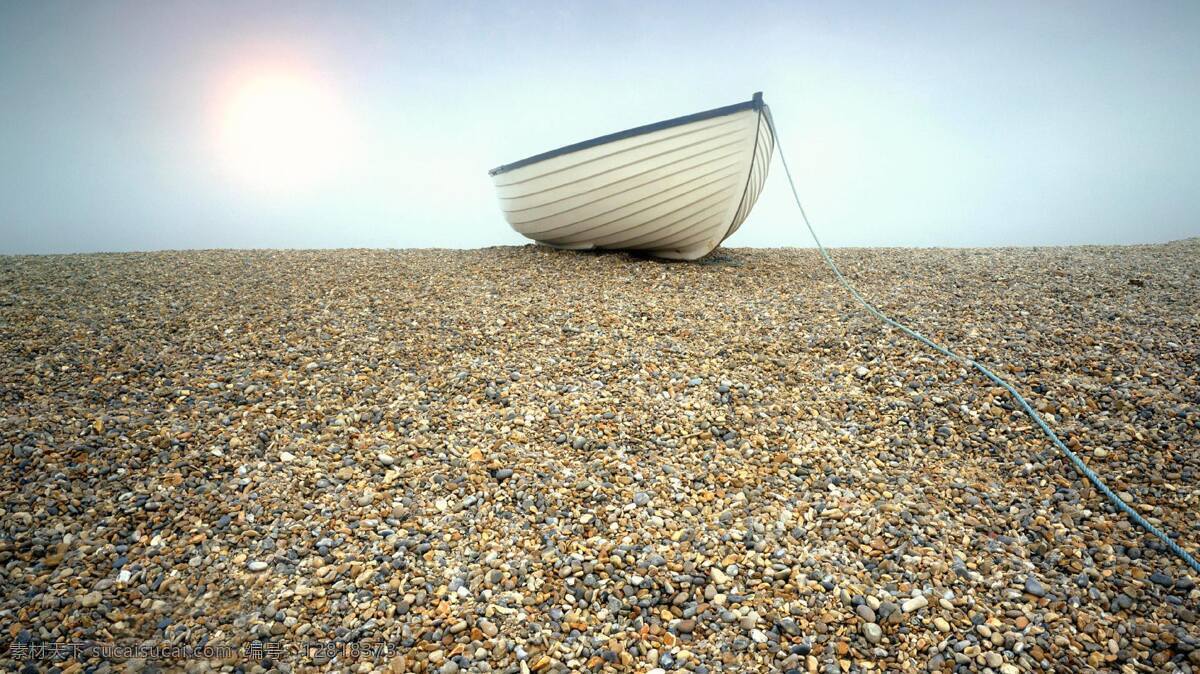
(526, 460)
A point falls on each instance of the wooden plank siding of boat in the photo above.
(675, 189)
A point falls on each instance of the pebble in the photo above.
(1160, 578)
(496, 478)
(865, 612)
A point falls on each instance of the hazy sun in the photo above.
(283, 130)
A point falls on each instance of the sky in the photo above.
(173, 125)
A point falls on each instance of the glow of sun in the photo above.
(283, 131)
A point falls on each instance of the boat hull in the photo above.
(675, 189)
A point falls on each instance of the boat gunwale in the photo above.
(755, 103)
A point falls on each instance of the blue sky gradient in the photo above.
(908, 124)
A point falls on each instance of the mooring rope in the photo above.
(1078, 463)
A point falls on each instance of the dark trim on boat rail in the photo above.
(755, 103)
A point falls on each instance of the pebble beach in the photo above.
(520, 459)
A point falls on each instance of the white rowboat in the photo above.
(675, 189)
